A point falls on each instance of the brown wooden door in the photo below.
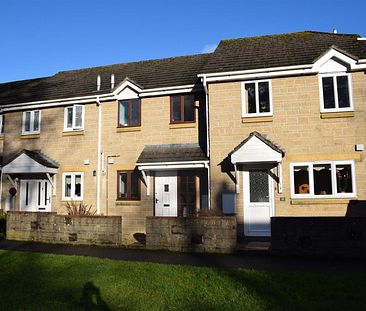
(186, 195)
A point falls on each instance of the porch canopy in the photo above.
(257, 149)
(170, 157)
(30, 162)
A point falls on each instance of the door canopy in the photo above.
(30, 161)
(256, 148)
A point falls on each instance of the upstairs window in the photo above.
(31, 122)
(129, 112)
(72, 186)
(328, 179)
(257, 99)
(336, 93)
(182, 109)
(128, 184)
(2, 121)
(74, 118)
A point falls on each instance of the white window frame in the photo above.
(72, 197)
(334, 194)
(31, 122)
(2, 125)
(336, 109)
(74, 127)
(245, 114)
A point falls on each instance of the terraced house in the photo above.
(263, 126)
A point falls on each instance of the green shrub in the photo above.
(74, 209)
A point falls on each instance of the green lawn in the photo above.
(51, 282)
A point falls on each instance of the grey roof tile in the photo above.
(171, 153)
(298, 48)
(148, 74)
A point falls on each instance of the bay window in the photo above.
(327, 179)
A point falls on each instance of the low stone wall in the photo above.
(319, 236)
(196, 234)
(53, 228)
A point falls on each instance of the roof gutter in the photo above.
(239, 72)
(92, 98)
(269, 72)
(55, 103)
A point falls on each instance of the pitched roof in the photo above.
(148, 74)
(263, 138)
(298, 48)
(231, 55)
(37, 156)
(171, 153)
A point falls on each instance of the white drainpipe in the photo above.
(205, 87)
(99, 152)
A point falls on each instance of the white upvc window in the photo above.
(72, 186)
(74, 118)
(323, 179)
(257, 98)
(2, 124)
(31, 122)
(335, 92)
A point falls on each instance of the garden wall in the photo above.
(319, 236)
(191, 234)
(53, 228)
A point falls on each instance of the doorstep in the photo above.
(254, 244)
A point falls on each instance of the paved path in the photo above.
(242, 260)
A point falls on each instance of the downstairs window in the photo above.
(72, 186)
(328, 179)
(128, 185)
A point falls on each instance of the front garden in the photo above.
(30, 281)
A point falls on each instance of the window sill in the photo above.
(128, 202)
(72, 200)
(331, 115)
(30, 136)
(128, 129)
(322, 201)
(73, 133)
(256, 119)
(182, 125)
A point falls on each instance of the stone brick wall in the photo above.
(319, 236)
(297, 127)
(53, 228)
(126, 144)
(199, 234)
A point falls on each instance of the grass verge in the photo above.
(30, 281)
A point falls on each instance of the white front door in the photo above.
(258, 202)
(166, 194)
(35, 195)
